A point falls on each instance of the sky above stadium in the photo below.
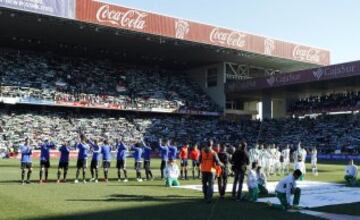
(332, 25)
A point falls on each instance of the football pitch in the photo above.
(133, 200)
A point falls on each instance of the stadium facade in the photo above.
(237, 70)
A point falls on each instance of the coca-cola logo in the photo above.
(306, 54)
(269, 46)
(228, 38)
(182, 28)
(132, 19)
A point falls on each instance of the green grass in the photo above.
(132, 200)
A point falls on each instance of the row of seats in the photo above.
(48, 77)
(331, 102)
(328, 133)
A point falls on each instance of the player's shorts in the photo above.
(147, 164)
(63, 165)
(81, 163)
(94, 164)
(26, 165)
(120, 164)
(184, 163)
(45, 163)
(106, 164)
(314, 162)
(195, 163)
(138, 165)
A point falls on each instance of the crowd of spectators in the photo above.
(331, 102)
(65, 127)
(327, 133)
(49, 77)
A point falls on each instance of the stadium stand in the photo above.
(48, 77)
(331, 102)
(328, 133)
(55, 78)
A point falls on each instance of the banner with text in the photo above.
(59, 8)
(97, 12)
(304, 76)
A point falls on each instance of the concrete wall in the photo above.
(278, 108)
(217, 93)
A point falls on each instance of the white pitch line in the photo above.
(329, 216)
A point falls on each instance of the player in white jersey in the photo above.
(254, 154)
(314, 161)
(278, 163)
(304, 153)
(262, 156)
(272, 159)
(267, 160)
(286, 156)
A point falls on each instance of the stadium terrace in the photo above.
(91, 86)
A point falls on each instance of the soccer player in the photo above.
(208, 162)
(254, 154)
(314, 161)
(224, 158)
(63, 162)
(171, 174)
(26, 163)
(240, 161)
(122, 151)
(137, 153)
(252, 182)
(45, 159)
(94, 165)
(262, 181)
(164, 154)
(147, 161)
(287, 187)
(351, 173)
(106, 157)
(83, 149)
(194, 156)
(172, 150)
(184, 154)
(299, 165)
(286, 155)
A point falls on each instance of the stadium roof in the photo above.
(129, 34)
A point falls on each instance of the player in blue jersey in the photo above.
(147, 159)
(137, 153)
(26, 163)
(94, 165)
(63, 162)
(172, 150)
(164, 154)
(83, 149)
(106, 157)
(121, 152)
(45, 159)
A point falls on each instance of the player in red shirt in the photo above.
(184, 154)
(194, 156)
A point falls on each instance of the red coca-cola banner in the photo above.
(93, 11)
(304, 76)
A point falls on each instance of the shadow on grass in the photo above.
(349, 209)
(178, 208)
(132, 198)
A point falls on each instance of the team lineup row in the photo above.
(272, 159)
(140, 151)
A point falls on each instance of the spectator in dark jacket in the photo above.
(240, 161)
